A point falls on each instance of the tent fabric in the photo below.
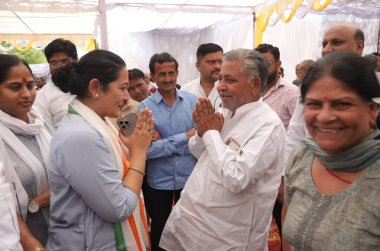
(82, 16)
(301, 39)
(48, 16)
(365, 9)
(136, 48)
(47, 23)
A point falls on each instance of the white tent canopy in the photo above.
(137, 29)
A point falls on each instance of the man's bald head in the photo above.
(343, 37)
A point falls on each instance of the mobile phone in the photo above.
(127, 123)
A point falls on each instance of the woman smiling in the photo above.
(96, 202)
(332, 182)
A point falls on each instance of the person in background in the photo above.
(228, 200)
(26, 139)
(137, 88)
(296, 81)
(96, 186)
(377, 54)
(51, 102)
(209, 60)
(278, 94)
(40, 82)
(152, 87)
(169, 162)
(302, 68)
(336, 171)
(281, 72)
(339, 37)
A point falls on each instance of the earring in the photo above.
(96, 95)
(373, 125)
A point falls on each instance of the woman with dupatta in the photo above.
(96, 201)
(25, 140)
(332, 181)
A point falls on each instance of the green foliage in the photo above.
(31, 56)
(5, 44)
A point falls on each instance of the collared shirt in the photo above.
(87, 194)
(169, 159)
(227, 202)
(196, 88)
(282, 99)
(52, 103)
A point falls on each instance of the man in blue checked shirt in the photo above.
(169, 162)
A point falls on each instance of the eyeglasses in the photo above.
(60, 62)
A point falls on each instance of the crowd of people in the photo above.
(237, 159)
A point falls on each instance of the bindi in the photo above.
(24, 81)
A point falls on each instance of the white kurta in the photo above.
(296, 129)
(196, 88)
(52, 103)
(227, 202)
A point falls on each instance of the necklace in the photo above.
(339, 178)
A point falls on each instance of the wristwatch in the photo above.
(33, 206)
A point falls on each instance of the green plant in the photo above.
(31, 56)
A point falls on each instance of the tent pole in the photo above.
(254, 29)
(103, 24)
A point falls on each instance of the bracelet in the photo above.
(137, 170)
(39, 249)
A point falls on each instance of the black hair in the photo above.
(205, 49)
(60, 45)
(371, 58)
(75, 77)
(355, 72)
(161, 58)
(7, 62)
(135, 74)
(264, 48)
(359, 35)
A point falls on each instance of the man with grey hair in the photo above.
(302, 68)
(228, 199)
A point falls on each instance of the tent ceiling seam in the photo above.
(23, 21)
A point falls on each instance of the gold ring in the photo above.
(138, 127)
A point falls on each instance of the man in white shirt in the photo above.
(228, 199)
(339, 37)
(50, 101)
(209, 60)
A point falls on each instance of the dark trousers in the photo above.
(277, 215)
(159, 204)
